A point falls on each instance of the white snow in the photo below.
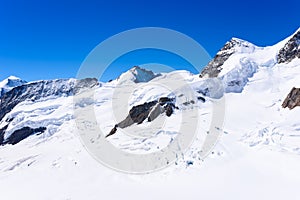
(257, 157)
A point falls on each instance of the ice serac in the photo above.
(9, 83)
(291, 49)
(137, 75)
(214, 67)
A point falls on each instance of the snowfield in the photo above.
(256, 157)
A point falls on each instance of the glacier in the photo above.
(257, 156)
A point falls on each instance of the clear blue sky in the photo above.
(49, 39)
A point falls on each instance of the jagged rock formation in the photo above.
(214, 67)
(290, 50)
(293, 99)
(149, 110)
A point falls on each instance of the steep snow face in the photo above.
(9, 83)
(137, 75)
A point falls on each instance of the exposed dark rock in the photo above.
(189, 102)
(169, 109)
(9, 119)
(19, 134)
(291, 50)
(201, 99)
(23, 133)
(2, 132)
(164, 100)
(137, 114)
(214, 66)
(149, 110)
(293, 99)
(113, 131)
(204, 91)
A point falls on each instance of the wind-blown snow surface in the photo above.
(257, 157)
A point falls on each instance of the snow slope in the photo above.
(257, 156)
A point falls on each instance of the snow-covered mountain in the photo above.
(9, 83)
(137, 75)
(258, 153)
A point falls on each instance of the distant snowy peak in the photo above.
(9, 83)
(235, 45)
(137, 75)
(291, 49)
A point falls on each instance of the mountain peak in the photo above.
(9, 83)
(137, 75)
(13, 78)
(235, 45)
(239, 45)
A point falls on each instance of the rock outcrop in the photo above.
(149, 110)
(293, 99)
(291, 50)
(19, 135)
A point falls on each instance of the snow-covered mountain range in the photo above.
(257, 157)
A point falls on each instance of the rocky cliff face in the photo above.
(291, 50)
(293, 99)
